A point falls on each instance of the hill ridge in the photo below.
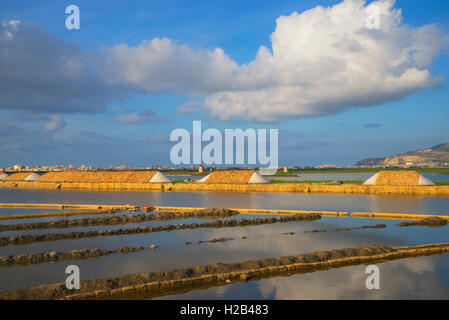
(428, 157)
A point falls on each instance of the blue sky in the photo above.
(128, 121)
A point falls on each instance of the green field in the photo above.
(359, 170)
(441, 183)
(316, 181)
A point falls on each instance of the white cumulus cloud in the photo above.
(321, 61)
(162, 65)
(325, 60)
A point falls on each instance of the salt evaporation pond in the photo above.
(423, 277)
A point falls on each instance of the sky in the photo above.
(112, 91)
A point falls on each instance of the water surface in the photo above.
(424, 277)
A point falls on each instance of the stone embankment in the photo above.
(375, 226)
(432, 222)
(31, 238)
(213, 213)
(76, 254)
(393, 216)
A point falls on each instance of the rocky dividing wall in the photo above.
(31, 238)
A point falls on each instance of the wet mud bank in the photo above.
(374, 226)
(37, 258)
(26, 239)
(431, 222)
(215, 240)
(121, 219)
(153, 284)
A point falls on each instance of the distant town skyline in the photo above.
(111, 92)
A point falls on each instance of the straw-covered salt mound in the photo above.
(105, 177)
(233, 177)
(398, 178)
(19, 176)
(66, 176)
(23, 176)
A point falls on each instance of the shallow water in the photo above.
(424, 277)
(261, 200)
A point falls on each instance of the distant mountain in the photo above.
(431, 157)
(371, 162)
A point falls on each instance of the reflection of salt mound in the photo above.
(3, 175)
(159, 177)
(233, 177)
(398, 178)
